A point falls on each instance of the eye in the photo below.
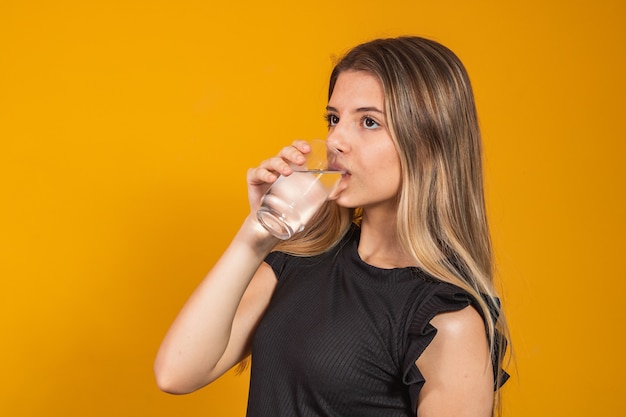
(331, 120)
(369, 123)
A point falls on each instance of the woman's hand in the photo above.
(262, 177)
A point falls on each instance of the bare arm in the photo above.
(457, 368)
(213, 330)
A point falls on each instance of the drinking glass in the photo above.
(292, 200)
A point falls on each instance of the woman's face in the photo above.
(357, 126)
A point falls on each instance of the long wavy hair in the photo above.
(432, 119)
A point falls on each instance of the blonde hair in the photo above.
(442, 222)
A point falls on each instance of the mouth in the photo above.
(338, 168)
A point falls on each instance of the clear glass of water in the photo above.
(293, 200)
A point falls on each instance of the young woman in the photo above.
(385, 304)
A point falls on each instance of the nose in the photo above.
(338, 139)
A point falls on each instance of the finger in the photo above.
(257, 176)
(277, 164)
(291, 155)
(302, 146)
(268, 171)
(271, 168)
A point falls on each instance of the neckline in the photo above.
(366, 270)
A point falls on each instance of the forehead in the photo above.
(357, 88)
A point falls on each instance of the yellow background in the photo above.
(126, 129)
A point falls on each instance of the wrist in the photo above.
(256, 235)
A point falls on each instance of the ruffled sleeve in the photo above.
(442, 298)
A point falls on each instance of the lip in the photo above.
(338, 166)
(340, 186)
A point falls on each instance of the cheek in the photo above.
(385, 173)
(394, 180)
(390, 164)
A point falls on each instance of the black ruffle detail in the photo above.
(444, 298)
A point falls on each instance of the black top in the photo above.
(341, 337)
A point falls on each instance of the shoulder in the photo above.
(460, 340)
(466, 324)
(284, 261)
(460, 337)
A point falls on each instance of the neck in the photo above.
(379, 244)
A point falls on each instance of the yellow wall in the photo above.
(126, 128)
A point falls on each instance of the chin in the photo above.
(343, 201)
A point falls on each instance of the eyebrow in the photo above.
(359, 110)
